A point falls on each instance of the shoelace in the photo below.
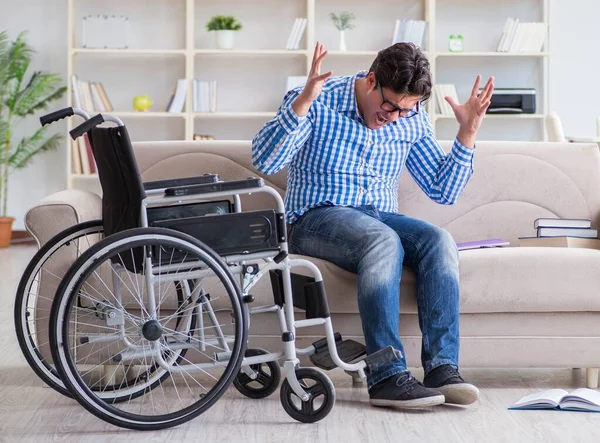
(453, 373)
(401, 381)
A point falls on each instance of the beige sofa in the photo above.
(520, 307)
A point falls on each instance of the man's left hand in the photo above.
(470, 114)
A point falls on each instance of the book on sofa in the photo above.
(568, 232)
(582, 399)
(477, 244)
(562, 223)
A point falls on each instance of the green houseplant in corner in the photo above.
(224, 27)
(21, 97)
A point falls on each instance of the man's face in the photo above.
(381, 105)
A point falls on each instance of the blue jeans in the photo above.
(375, 245)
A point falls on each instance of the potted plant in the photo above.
(225, 27)
(21, 97)
(343, 22)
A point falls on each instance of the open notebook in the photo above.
(578, 400)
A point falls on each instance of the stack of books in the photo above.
(177, 100)
(563, 232)
(441, 91)
(82, 158)
(410, 31)
(296, 33)
(90, 96)
(522, 36)
(205, 95)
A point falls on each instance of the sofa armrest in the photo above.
(60, 210)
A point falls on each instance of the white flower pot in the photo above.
(343, 41)
(225, 39)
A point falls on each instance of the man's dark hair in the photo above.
(404, 69)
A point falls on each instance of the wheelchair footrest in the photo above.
(348, 351)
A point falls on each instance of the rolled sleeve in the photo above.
(289, 120)
(462, 155)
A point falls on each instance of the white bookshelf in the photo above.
(168, 41)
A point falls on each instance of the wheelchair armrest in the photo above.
(233, 186)
(178, 182)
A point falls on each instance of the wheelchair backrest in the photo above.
(120, 179)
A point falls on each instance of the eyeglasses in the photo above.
(388, 106)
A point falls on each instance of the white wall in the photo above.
(575, 64)
(574, 67)
(45, 22)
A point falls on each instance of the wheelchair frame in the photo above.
(249, 274)
(287, 322)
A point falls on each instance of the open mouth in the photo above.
(380, 119)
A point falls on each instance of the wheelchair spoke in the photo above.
(181, 355)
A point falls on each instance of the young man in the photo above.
(346, 140)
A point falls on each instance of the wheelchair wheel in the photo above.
(117, 306)
(268, 376)
(36, 291)
(321, 391)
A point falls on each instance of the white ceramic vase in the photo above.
(343, 41)
(225, 39)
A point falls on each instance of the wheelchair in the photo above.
(148, 323)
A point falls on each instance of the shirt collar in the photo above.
(348, 98)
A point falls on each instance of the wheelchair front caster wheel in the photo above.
(321, 401)
(268, 376)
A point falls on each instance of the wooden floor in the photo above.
(30, 412)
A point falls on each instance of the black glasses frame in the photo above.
(408, 112)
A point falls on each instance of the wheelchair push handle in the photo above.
(62, 113)
(91, 123)
(86, 126)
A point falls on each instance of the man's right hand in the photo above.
(314, 82)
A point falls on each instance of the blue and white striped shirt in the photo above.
(334, 159)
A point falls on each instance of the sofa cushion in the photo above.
(515, 279)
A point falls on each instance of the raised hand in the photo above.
(470, 114)
(314, 82)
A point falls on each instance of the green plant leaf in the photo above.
(29, 147)
(223, 23)
(20, 57)
(37, 94)
(343, 21)
(3, 129)
(4, 60)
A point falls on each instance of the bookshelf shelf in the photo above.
(234, 52)
(498, 116)
(372, 54)
(188, 54)
(85, 176)
(491, 54)
(234, 114)
(352, 53)
(129, 52)
(134, 114)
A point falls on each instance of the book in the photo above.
(562, 223)
(489, 243)
(582, 399)
(560, 242)
(176, 105)
(409, 31)
(107, 104)
(567, 232)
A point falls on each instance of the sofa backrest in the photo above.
(513, 183)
